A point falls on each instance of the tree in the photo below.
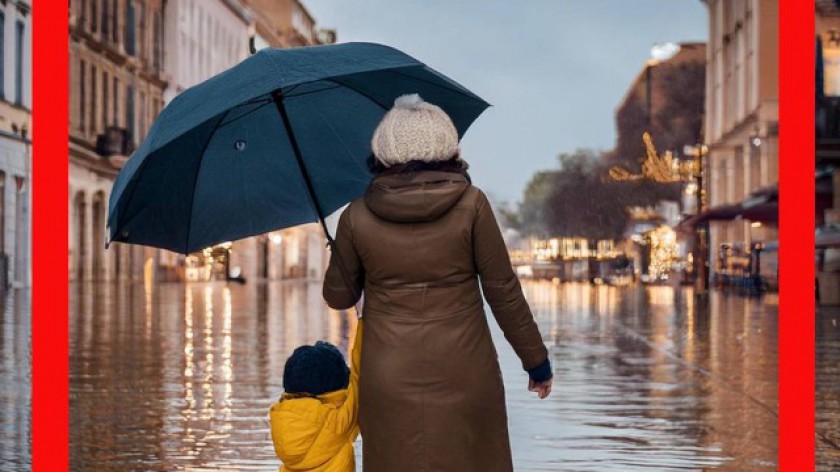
(583, 204)
(680, 121)
(532, 218)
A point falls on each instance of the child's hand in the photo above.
(542, 388)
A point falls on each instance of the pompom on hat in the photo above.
(414, 130)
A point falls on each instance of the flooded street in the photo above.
(179, 377)
(15, 374)
(828, 389)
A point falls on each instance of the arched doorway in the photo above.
(98, 239)
(80, 242)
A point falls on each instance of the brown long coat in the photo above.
(431, 393)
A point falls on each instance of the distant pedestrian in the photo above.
(418, 244)
(314, 424)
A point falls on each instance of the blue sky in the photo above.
(554, 70)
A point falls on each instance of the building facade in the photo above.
(741, 126)
(15, 125)
(128, 59)
(117, 83)
(205, 37)
(286, 24)
(827, 157)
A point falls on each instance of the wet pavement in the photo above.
(828, 389)
(15, 392)
(647, 378)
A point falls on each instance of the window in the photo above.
(82, 95)
(115, 10)
(201, 44)
(115, 113)
(129, 111)
(94, 13)
(141, 132)
(157, 42)
(141, 31)
(83, 8)
(150, 53)
(19, 30)
(129, 29)
(2, 212)
(105, 20)
(831, 63)
(2, 55)
(105, 99)
(93, 123)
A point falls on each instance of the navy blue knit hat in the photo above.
(315, 370)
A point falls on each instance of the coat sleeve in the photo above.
(502, 290)
(345, 420)
(344, 279)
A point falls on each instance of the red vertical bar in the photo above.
(796, 234)
(49, 236)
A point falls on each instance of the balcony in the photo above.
(115, 145)
(828, 118)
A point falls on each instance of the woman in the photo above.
(417, 244)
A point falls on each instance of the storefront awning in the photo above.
(764, 213)
(762, 205)
(827, 239)
(718, 213)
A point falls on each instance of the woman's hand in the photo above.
(542, 388)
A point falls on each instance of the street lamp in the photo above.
(699, 152)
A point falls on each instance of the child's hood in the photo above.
(300, 429)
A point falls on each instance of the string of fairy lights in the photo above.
(665, 169)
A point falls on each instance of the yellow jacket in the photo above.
(316, 434)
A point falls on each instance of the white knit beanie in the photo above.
(414, 130)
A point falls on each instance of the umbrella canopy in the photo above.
(279, 140)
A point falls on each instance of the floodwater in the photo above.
(15, 392)
(828, 389)
(180, 377)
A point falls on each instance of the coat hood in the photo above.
(299, 436)
(415, 197)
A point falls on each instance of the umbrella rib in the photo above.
(234, 120)
(364, 94)
(195, 180)
(258, 99)
(287, 96)
(291, 88)
(420, 79)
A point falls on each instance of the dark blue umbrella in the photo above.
(279, 140)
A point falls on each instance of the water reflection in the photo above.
(15, 393)
(179, 377)
(828, 389)
(650, 378)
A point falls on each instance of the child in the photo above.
(314, 424)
